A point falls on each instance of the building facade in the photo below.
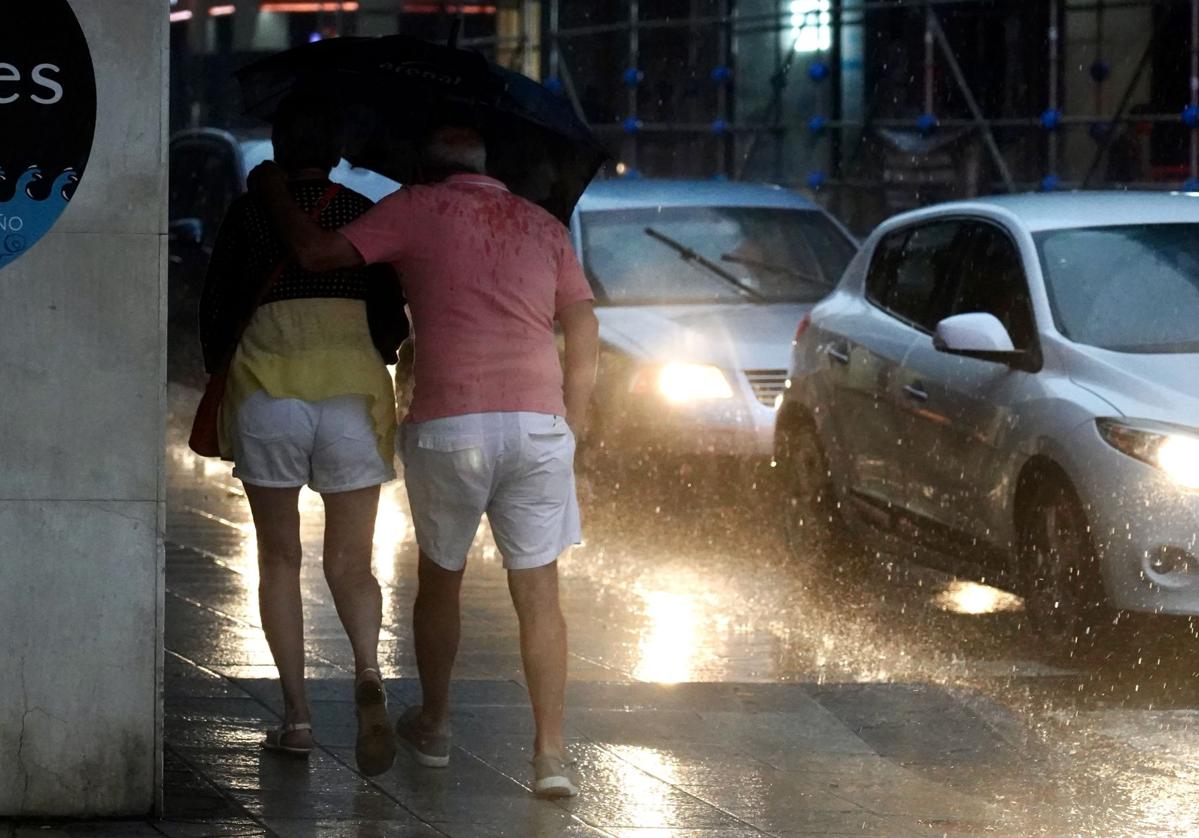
(876, 105)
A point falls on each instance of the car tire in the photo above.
(603, 474)
(594, 473)
(812, 520)
(1062, 584)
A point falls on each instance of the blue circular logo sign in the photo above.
(48, 110)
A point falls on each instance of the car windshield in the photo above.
(363, 181)
(676, 255)
(1132, 288)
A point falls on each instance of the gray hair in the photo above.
(456, 148)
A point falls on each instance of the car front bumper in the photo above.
(1145, 529)
(737, 428)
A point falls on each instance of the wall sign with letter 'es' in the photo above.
(47, 118)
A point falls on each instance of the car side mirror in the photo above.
(186, 231)
(981, 336)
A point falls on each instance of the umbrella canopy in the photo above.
(391, 89)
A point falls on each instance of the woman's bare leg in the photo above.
(277, 524)
(349, 536)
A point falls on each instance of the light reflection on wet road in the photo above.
(674, 588)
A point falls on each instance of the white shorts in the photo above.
(329, 445)
(518, 468)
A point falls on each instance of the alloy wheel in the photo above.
(810, 525)
(1061, 586)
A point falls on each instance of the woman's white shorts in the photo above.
(329, 445)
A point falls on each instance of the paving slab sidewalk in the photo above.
(690, 760)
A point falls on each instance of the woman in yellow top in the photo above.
(308, 402)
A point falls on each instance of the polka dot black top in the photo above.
(247, 252)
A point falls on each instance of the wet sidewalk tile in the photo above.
(736, 756)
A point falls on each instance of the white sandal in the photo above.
(274, 739)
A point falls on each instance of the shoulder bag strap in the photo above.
(322, 204)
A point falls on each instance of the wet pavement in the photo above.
(719, 687)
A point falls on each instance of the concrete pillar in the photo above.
(271, 32)
(197, 30)
(378, 17)
(519, 28)
(245, 25)
(82, 412)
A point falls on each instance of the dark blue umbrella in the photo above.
(392, 88)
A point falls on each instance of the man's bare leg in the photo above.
(543, 651)
(436, 627)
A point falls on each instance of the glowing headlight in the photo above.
(1176, 454)
(679, 383)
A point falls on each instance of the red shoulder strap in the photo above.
(321, 205)
(326, 198)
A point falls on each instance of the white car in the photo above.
(698, 285)
(1014, 382)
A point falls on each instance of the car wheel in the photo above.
(601, 472)
(593, 473)
(1063, 589)
(811, 519)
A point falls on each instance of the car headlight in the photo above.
(680, 383)
(1175, 453)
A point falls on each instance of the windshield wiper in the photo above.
(774, 269)
(690, 255)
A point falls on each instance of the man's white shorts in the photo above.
(518, 468)
(329, 445)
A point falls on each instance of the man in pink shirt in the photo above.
(493, 418)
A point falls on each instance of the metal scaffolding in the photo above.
(832, 140)
(870, 103)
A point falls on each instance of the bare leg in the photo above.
(277, 524)
(436, 627)
(349, 535)
(543, 650)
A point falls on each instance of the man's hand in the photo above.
(266, 178)
(314, 249)
(581, 330)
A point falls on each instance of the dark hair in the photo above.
(308, 133)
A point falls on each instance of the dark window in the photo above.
(204, 181)
(991, 280)
(911, 281)
(883, 263)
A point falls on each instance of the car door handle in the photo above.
(916, 391)
(841, 356)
